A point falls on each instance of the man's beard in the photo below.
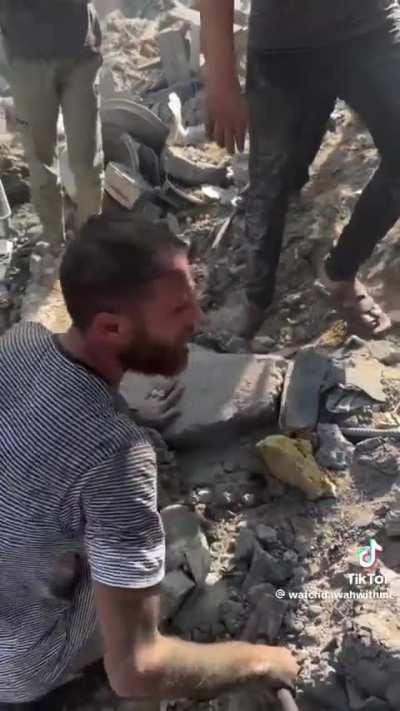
(151, 358)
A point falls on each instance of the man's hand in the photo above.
(226, 114)
(280, 665)
(160, 408)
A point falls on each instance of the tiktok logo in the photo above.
(367, 556)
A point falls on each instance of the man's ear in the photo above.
(114, 328)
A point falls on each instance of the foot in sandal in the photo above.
(356, 306)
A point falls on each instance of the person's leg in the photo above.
(309, 139)
(80, 107)
(37, 108)
(371, 75)
(273, 116)
(282, 90)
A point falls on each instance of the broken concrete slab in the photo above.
(362, 375)
(224, 394)
(177, 166)
(174, 590)
(265, 568)
(304, 382)
(202, 608)
(126, 189)
(292, 462)
(266, 620)
(174, 56)
(186, 544)
(334, 452)
(121, 116)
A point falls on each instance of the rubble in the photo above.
(334, 451)
(292, 461)
(223, 394)
(187, 547)
(300, 404)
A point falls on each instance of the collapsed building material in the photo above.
(186, 171)
(120, 116)
(174, 56)
(124, 188)
(301, 393)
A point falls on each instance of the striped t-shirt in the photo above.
(76, 476)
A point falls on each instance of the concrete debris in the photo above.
(334, 452)
(266, 535)
(304, 381)
(187, 546)
(124, 188)
(265, 568)
(6, 252)
(188, 172)
(245, 545)
(202, 609)
(174, 589)
(342, 402)
(120, 116)
(292, 462)
(266, 619)
(364, 375)
(392, 524)
(223, 394)
(174, 56)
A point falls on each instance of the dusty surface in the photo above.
(251, 521)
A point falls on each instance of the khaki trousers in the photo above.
(40, 90)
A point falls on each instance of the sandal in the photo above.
(358, 308)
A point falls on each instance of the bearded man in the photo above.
(82, 544)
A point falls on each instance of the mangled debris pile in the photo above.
(158, 161)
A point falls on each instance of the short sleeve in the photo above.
(124, 535)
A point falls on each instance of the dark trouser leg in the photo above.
(370, 84)
(273, 119)
(311, 133)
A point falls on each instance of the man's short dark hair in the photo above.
(113, 259)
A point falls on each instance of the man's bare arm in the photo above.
(141, 663)
(226, 109)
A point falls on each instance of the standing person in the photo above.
(54, 57)
(302, 55)
(77, 472)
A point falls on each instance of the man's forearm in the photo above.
(173, 669)
(217, 36)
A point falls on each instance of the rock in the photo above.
(17, 189)
(384, 351)
(335, 452)
(302, 389)
(223, 394)
(174, 56)
(265, 568)
(370, 653)
(363, 374)
(392, 694)
(202, 608)
(232, 615)
(292, 461)
(186, 544)
(245, 544)
(266, 535)
(326, 690)
(177, 166)
(174, 589)
(256, 592)
(266, 620)
(392, 524)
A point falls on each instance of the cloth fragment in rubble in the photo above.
(292, 462)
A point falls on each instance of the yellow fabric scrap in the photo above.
(292, 462)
